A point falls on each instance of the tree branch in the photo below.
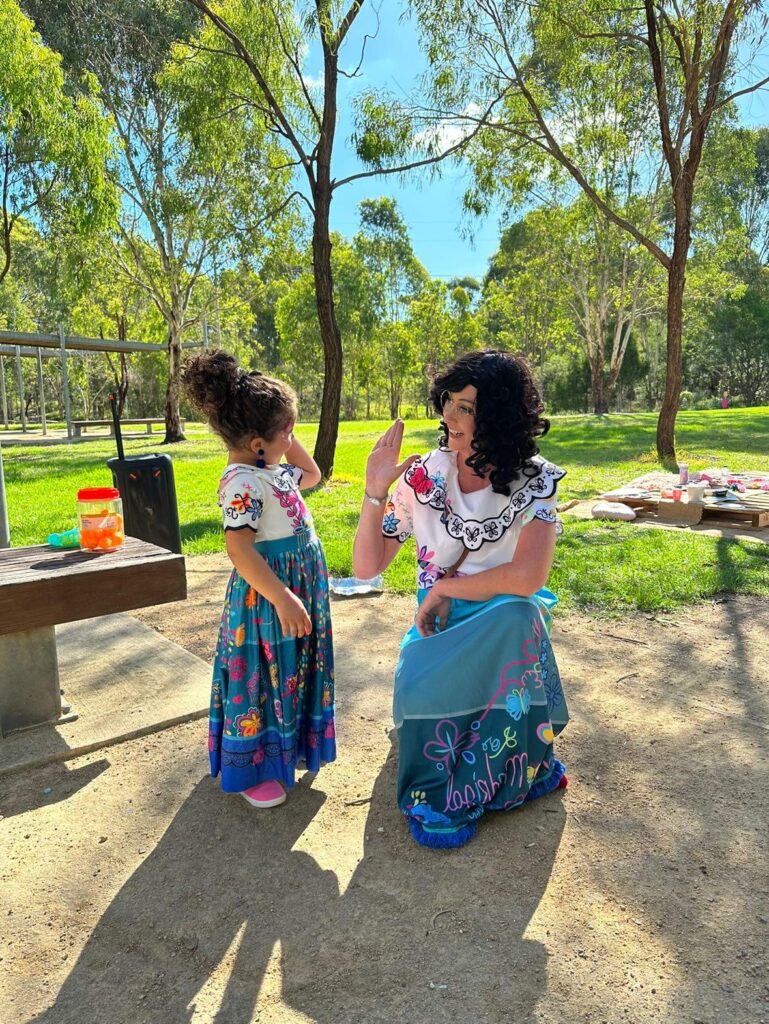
(293, 58)
(346, 24)
(242, 52)
(366, 37)
(412, 165)
(6, 223)
(658, 72)
(741, 92)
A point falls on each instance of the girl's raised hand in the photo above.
(382, 467)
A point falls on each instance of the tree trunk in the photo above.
(328, 428)
(6, 257)
(120, 373)
(597, 391)
(352, 389)
(121, 379)
(666, 424)
(174, 431)
(394, 396)
(122, 384)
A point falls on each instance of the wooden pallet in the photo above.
(751, 511)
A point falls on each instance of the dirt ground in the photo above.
(134, 891)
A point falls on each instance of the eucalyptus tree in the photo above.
(536, 58)
(357, 312)
(732, 204)
(255, 51)
(195, 179)
(53, 144)
(736, 344)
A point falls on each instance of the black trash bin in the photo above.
(146, 485)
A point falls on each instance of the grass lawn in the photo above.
(601, 567)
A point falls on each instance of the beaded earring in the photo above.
(260, 463)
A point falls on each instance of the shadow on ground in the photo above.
(214, 909)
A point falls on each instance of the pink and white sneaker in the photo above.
(266, 794)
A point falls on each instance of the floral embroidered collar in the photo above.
(538, 481)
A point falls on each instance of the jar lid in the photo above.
(98, 494)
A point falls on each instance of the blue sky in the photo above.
(432, 208)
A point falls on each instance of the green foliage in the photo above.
(382, 134)
(53, 145)
(565, 280)
(565, 382)
(735, 348)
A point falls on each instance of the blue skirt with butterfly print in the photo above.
(477, 708)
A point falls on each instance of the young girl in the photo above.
(272, 698)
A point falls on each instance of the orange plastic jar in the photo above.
(100, 517)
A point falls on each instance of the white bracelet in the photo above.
(376, 501)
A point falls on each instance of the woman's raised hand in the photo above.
(382, 467)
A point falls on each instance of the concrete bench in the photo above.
(41, 587)
(79, 426)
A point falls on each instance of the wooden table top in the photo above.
(44, 586)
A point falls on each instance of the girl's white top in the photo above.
(428, 503)
(266, 501)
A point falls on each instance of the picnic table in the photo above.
(747, 510)
(79, 426)
(41, 587)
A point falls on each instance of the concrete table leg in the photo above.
(29, 679)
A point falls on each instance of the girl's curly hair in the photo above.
(508, 413)
(237, 404)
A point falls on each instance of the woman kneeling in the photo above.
(478, 700)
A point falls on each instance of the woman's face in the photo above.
(459, 417)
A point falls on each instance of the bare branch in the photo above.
(292, 56)
(672, 156)
(741, 92)
(366, 37)
(427, 161)
(7, 226)
(346, 24)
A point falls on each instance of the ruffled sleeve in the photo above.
(241, 498)
(398, 521)
(544, 507)
(295, 473)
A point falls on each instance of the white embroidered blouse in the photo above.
(266, 500)
(428, 503)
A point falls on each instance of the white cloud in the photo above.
(313, 81)
(449, 132)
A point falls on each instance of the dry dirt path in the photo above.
(134, 891)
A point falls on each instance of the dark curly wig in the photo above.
(237, 404)
(508, 413)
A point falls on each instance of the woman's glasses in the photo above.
(460, 407)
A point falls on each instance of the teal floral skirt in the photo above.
(477, 708)
(272, 697)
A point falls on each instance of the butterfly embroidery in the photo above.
(424, 556)
(421, 482)
(518, 703)
(449, 744)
